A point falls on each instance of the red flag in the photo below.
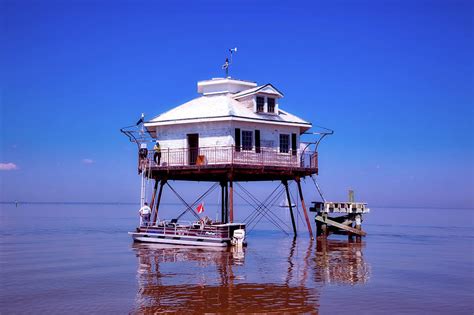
(200, 208)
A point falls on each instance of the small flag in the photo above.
(200, 208)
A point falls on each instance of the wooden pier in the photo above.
(349, 221)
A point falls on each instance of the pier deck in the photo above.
(350, 222)
(339, 207)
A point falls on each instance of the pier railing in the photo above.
(230, 155)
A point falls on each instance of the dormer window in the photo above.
(264, 104)
(270, 105)
(260, 104)
(260, 99)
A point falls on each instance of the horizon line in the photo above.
(210, 203)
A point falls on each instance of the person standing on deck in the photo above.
(157, 155)
(145, 213)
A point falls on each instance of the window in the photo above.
(284, 143)
(260, 104)
(246, 140)
(271, 105)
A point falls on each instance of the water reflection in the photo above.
(289, 278)
(341, 262)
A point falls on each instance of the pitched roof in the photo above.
(222, 107)
(267, 88)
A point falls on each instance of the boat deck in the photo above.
(193, 234)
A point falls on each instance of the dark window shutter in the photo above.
(237, 139)
(293, 143)
(257, 141)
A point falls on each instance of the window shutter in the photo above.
(293, 143)
(257, 141)
(237, 139)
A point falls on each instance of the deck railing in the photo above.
(188, 229)
(230, 155)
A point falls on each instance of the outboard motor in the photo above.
(238, 237)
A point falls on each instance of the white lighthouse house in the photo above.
(235, 131)
(232, 121)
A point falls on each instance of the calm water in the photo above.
(79, 259)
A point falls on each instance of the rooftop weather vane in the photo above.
(227, 64)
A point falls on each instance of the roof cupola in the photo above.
(223, 86)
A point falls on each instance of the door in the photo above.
(193, 148)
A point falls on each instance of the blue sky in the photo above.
(394, 79)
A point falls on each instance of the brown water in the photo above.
(79, 259)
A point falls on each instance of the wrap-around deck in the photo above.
(222, 162)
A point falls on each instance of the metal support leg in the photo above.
(231, 201)
(226, 200)
(285, 183)
(155, 214)
(303, 204)
(153, 196)
(222, 202)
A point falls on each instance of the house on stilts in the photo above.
(234, 131)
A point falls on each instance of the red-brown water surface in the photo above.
(79, 259)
